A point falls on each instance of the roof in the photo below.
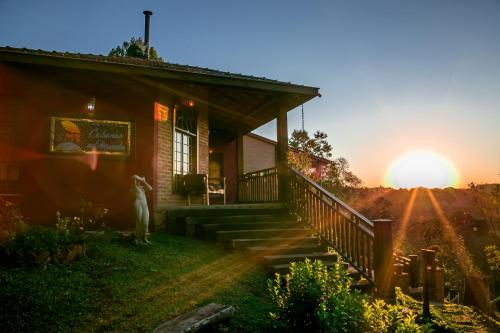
(239, 102)
(272, 142)
(15, 54)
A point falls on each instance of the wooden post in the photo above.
(207, 194)
(241, 163)
(414, 271)
(383, 262)
(428, 258)
(282, 152)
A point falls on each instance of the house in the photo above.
(260, 153)
(78, 126)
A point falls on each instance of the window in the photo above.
(185, 141)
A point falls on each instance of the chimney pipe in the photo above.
(147, 15)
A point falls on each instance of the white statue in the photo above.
(139, 186)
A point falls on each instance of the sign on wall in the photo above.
(161, 112)
(90, 136)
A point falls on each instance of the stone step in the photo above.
(226, 235)
(275, 241)
(203, 319)
(230, 219)
(249, 226)
(288, 258)
(283, 249)
(364, 286)
(196, 227)
(226, 210)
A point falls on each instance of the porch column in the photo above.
(282, 151)
(240, 162)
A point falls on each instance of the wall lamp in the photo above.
(91, 104)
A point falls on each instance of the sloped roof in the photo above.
(242, 102)
(15, 54)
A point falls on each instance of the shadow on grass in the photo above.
(121, 286)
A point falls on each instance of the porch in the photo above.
(278, 229)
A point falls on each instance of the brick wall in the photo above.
(164, 194)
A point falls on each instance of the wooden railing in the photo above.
(365, 244)
(341, 227)
(258, 186)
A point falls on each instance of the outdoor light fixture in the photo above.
(91, 104)
(190, 103)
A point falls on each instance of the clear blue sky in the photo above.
(395, 75)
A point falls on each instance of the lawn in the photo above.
(122, 287)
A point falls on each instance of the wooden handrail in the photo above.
(258, 186)
(338, 225)
(327, 194)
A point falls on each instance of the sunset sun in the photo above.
(423, 168)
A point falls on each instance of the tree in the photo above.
(335, 177)
(135, 48)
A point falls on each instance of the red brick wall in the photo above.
(165, 196)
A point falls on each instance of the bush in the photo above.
(398, 318)
(40, 245)
(11, 221)
(313, 298)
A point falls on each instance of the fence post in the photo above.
(382, 258)
(414, 271)
(428, 260)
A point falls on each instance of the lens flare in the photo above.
(421, 168)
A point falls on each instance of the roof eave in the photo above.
(55, 60)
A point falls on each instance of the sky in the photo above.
(395, 76)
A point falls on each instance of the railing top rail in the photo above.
(330, 196)
(259, 172)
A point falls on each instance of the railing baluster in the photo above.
(340, 226)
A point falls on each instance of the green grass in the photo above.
(121, 287)
(127, 288)
(455, 318)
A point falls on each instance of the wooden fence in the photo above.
(258, 186)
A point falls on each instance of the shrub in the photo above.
(398, 318)
(313, 298)
(11, 221)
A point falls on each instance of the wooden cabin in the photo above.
(78, 126)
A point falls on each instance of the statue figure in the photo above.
(139, 186)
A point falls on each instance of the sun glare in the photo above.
(422, 168)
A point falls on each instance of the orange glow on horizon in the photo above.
(421, 168)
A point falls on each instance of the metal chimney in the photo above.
(147, 15)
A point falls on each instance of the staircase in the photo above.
(266, 232)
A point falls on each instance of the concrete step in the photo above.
(272, 260)
(249, 226)
(364, 286)
(198, 226)
(226, 210)
(251, 218)
(275, 241)
(283, 249)
(225, 235)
